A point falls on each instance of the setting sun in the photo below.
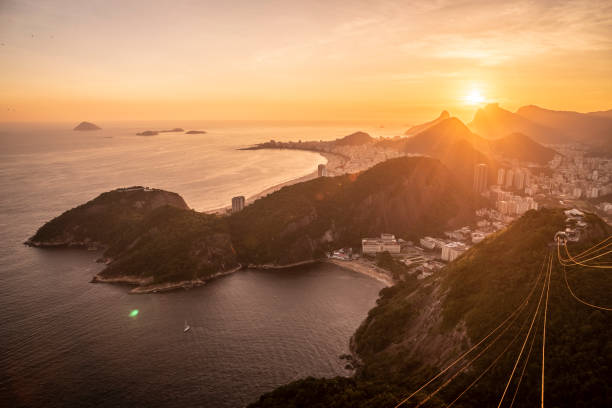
(474, 97)
(339, 203)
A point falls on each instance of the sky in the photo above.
(386, 61)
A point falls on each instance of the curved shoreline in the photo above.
(334, 163)
(362, 268)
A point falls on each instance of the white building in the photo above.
(452, 251)
(386, 242)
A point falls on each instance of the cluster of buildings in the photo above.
(576, 176)
(356, 157)
(429, 255)
(508, 203)
(575, 226)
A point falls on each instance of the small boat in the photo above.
(187, 327)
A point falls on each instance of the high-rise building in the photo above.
(509, 178)
(238, 203)
(500, 176)
(519, 179)
(481, 174)
(322, 170)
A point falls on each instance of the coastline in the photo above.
(366, 269)
(335, 166)
(145, 285)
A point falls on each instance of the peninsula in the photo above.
(153, 240)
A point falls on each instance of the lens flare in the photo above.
(134, 313)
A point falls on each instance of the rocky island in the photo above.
(152, 239)
(174, 130)
(86, 126)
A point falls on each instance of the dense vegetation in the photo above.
(104, 219)
(419, 327)
(173, 245)
(408, 197)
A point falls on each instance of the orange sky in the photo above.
(298, 60)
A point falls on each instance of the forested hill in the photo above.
(409, 197)
(419, 328)
(102, 220)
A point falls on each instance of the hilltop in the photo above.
(354, 139)
(419, 327)
(99, 222)
(414, 130)
(452, 143)
(522, 147)
(154, 244)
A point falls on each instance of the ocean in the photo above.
(67, 342)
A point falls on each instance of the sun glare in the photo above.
(474, 97)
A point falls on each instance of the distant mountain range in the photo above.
(544, 125)
(460, 149)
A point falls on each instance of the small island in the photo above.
(148, 133)
(195, 132)
(86, 126)
(174, 130)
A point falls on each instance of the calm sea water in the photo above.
(67, 342)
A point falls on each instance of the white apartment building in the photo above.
(386, 242)
(452, 251)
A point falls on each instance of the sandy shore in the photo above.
(334, 164)
(365, 268)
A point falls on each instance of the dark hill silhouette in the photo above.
(604, 114)
(355, 139)
(522, 147)
(587, 128)
(453, 144)
(414, 130)
(494, 122)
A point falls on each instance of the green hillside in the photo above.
(420, 327)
